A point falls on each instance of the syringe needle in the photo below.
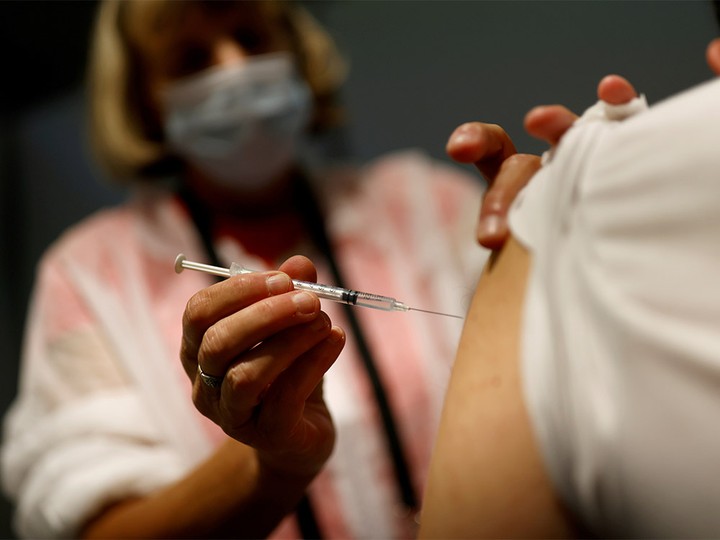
(437, 313)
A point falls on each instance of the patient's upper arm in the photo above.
(486, 477)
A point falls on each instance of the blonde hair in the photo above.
(126, 136)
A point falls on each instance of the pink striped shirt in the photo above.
(104, 409)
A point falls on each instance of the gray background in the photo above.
(418, 69)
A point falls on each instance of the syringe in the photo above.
(329, 292)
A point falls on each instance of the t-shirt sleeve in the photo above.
(621, 349)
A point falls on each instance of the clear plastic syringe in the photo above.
(329, 292)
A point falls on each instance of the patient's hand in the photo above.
(490, 148)
(492, 151)
(550, 122)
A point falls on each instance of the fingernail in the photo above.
(305, 302)
(336, 334)
(278, 284)
(459, 138)
(490, 226)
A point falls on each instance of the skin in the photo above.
(271, 344)
(507, 475)
(712, 56)
(274, 345)
(490, 148)
(487, 479)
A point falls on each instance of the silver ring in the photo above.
(210, 380)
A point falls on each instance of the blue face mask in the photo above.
(240, 125)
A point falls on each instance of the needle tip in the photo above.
(179, 260)
(438, 313)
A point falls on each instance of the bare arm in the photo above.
(227, 496)
(487, 479)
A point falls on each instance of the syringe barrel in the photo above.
(379, 302)
(348, 296)
(338, 294)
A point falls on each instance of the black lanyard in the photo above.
(312, 215)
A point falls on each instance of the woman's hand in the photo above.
(267, 347)
(492, 151)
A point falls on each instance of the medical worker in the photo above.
(203, 110)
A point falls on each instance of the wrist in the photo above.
(285, 467)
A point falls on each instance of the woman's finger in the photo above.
(299, 267)
(252, 372)
(285, 404)
(220, 300)
(242, 330)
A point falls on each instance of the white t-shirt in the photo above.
(621, 330)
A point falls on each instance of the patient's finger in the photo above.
(616, 90)
(549, 122)
(516, 171)
(485, 145)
